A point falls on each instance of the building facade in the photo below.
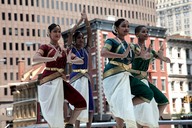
(175, 15)
(179, 50)
(24, 24)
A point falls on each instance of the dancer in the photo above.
(53, 86)
(79, 75)
(118, 82)
(143, 57)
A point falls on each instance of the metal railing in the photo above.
(111, 124)
(161, 122)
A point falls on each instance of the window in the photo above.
(9, 16)
(33, 32)
(94, 61)
(32, 2)
(5, 91)
(15, 16)
(39, 32)
(29, 61)
(22, 32)
(11, 76)
(174, 103)
(152, 43)
(16, 46)
(162, 65)
(5, 76)
(4, 31)
(34, 47)
(4, 46)
(26, 2)
(171, 67)
(48, 19)
(57, 5)
(10, 46)
(172, 86)
(3, 16)
(188, 69)
(42, 4)
(163, 84)
(28, 32)
(38, 18)
(11, 61)
(181, 85)
(33, 18)
(170, 51)
(52, 4)
(66, 6)
(178, 52)
(190, 86)
(154, 65)
(22, 46)
(187, 53)
(62, 6)
(93, 11)
(180, 68)
(43, 19)
(94, 83)
(37, 3)
(154, 82)
(21, 17)
(10, 31)
(27, 17)
(9, 1)
(16, 31)
(20, 2)
(5, 62)
(2, 1)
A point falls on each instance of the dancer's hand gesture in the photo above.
(125, 54)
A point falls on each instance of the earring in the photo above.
(48, 33)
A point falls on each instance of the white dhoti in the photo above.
(147, 114)
(118, 94)
(82, 86)
(51, 97)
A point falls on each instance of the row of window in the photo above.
(19, 46)
(176, 52)
(163, 84)
(180, 66)
(55, 4)
(119, 13)
(181, 86)
(11, 61)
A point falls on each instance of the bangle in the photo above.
(139, 73)
(88, 26)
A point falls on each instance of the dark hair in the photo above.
(76, 34)
(116, 25)
(138, 28)
(52, 26)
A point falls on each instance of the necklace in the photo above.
(81, 56)
(57, 49)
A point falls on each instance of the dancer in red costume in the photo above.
(53, 88)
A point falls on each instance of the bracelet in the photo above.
(139, 73)
(87, 26)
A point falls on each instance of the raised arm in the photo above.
(88, 27)
(70, 34)
(161, 56)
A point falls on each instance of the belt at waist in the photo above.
(125, 66)
(55, 69)
(83, 71)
